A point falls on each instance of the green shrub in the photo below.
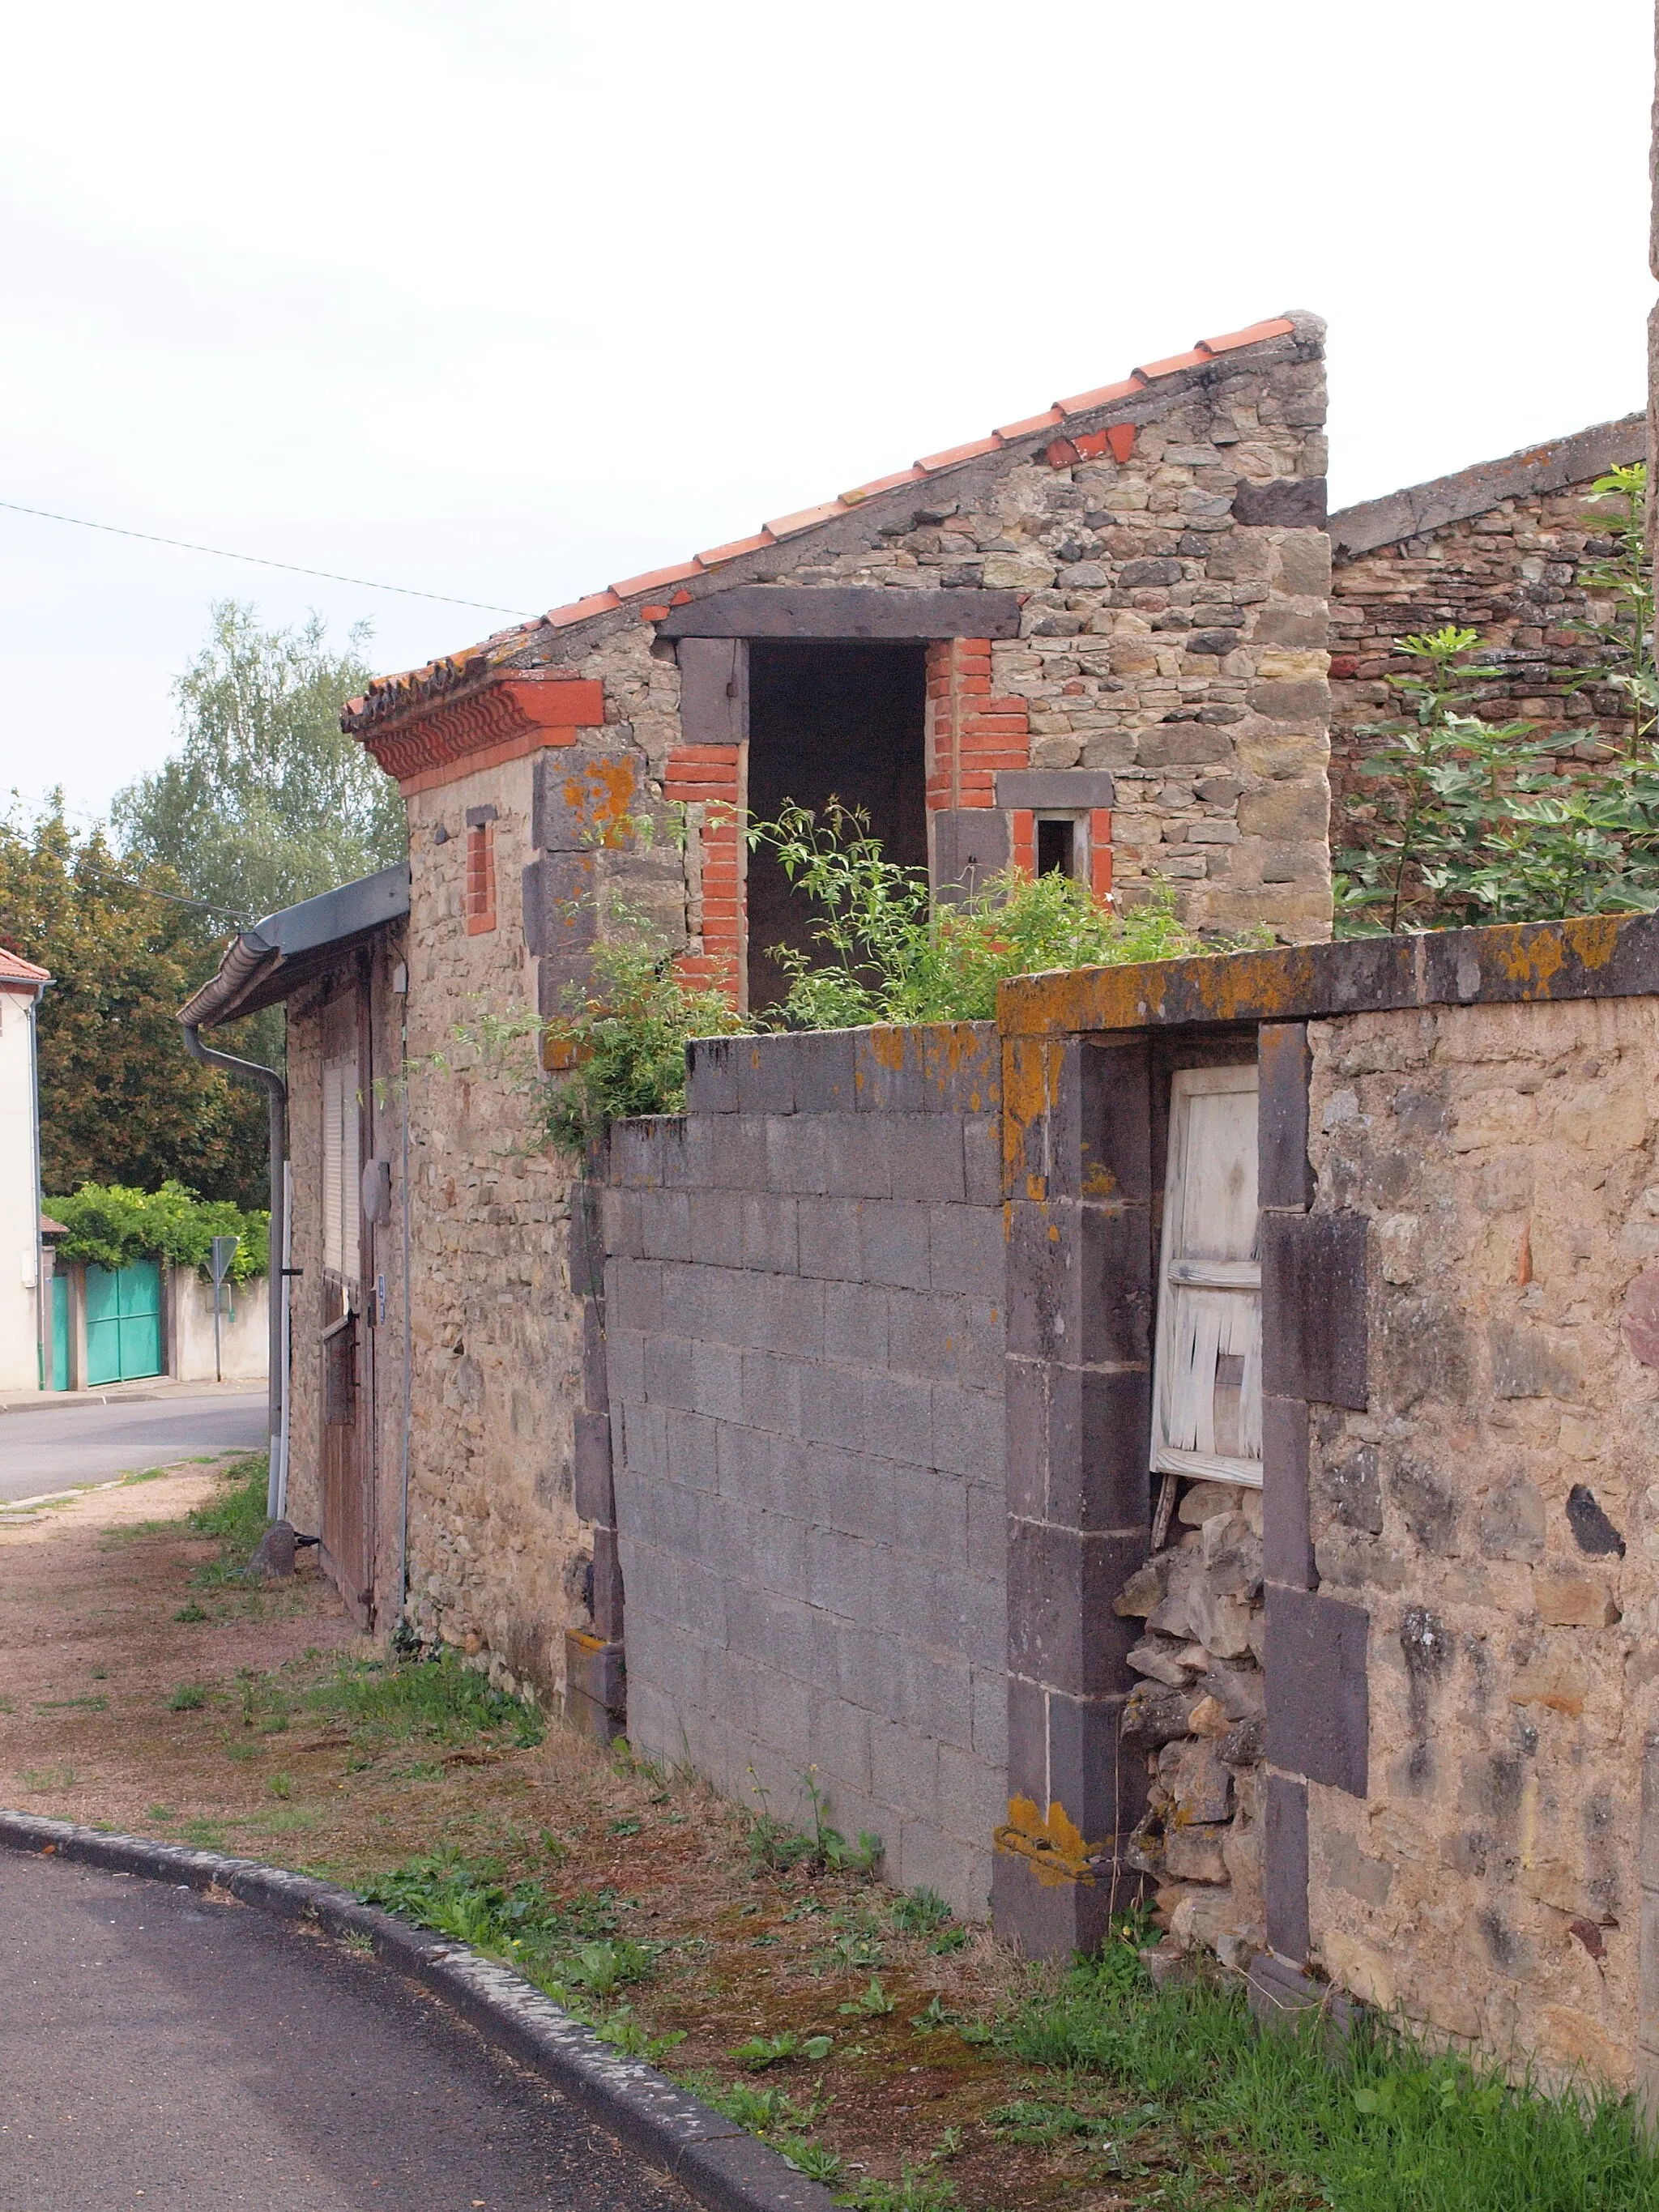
(111, 1226)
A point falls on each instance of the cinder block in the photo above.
(1285, 1863)
(969, 1433)
(831, 1238)
(787, 1316)
(895, 1246)
(765, 1075)
(783, 1716)
(988, 1533)
(924, 1333)
(717, 1381)
(645, 1440)
(960, 1067)
(624, 1349)
(756, 1466)
(839, 1743)
(794, 1158)
(937, 1696)
(868, 1671)
(983, 1634)
(770, 1243)
(853, 1157)
(982, 1159)
(668, 1372)
(898, 1416)
(833, 1406)
(711, 1075)
(1318, 1697)
(923, 1157)
(772, 1392)
(850, 1578)
(1100, 1127)
(904, 1770)
(1287, 1552)
(930, 1512)
(714, 1228)
(990, 1716)
(855, 1321)
(1284, 1171)
(888, 1071)
(774, 1553)
(692, 1443)
(968, 1250)
(1313, 1307)
(826, 1071)
(731, 1159)
(845, 1490)
(634, 1295)
(959, 1871)
(619, 1222)
(595, 1497)
(984, 1343)
(1061, 1628)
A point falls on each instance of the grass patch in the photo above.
(236, 1519)
(188, 1697)
(72, 1706)
(1383, 2126)
(144, 1474)
(433, 1701)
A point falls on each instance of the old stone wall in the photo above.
(1494, 1510)
(1500, 550)
(804, 1346)
(498, 1557)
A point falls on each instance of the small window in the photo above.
(480, 878)
(1056, 847)
(1207, 1383)
(341, 1198)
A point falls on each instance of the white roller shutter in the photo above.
(341, 1196)
(1207, 1381)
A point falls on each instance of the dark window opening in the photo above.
(1056, 848)
(843, 720)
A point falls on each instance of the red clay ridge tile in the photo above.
(1107, 393)
(654, 579)
(1195, 359)
(1278, 326)
(715, 554)
(970, 452)
(597, 603)
(1032, 422)
(882, 483)
(786, 525)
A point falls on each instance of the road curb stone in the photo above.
(714, 2159)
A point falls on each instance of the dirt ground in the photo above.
(116, 1711)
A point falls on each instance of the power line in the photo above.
(259, 561)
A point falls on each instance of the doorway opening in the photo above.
(840, 719)
(1056, 846)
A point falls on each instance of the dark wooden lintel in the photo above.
(845, 611)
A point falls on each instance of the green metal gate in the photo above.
(124, 1322)
(60, 1334)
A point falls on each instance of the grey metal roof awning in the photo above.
(264, 964)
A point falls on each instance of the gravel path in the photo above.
(160, 2052)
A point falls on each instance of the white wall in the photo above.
(244, 1337)
(20, 1235)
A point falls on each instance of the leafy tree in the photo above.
(112, 1226)
(267, 801)
(121, 1101)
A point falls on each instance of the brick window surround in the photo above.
(704, 779)
(480, 900)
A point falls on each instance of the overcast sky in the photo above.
(507, 301)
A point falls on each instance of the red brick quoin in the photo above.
(706, 776)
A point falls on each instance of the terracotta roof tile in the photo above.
(13, 968)
(393, 694)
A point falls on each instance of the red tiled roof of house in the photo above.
(16, 969)
(391, 695)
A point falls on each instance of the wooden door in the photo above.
(346, 1521)
(1207, 1383)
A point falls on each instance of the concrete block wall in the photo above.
(804, 1347)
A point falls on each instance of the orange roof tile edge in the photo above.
(788, 525)
(13, 968)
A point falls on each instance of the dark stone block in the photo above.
(1284, 1865)
(1096, 1447)
(739, 612)
(595, 1495)
(826, 1070)
(594, 1669)
(970, 843)
(1028, 1741)
(1054, 789)
(1043, 1308)
(1100, 1781)
(1061, 1629)
(1098, 1137)
(596, 1388)
(1054, 1919)
(607, 1608)
(1318, 1696)
(1283, 1172)
(960, 1067)
(711, 1075)
(1025, 1398)
(1115, 1282)
(560, 911)
(587, 1241)
(1313, 1307)
(1078, 1282)
(1592, 1531)
(1287, 1555)
(1286, 503)
(887, 1074)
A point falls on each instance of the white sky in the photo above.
(507, 301)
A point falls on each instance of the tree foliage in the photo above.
(121, 1101)
(266, 801)
(111, 1226)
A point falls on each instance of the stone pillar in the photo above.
(595, 1697)
(1314, 1350)
(1078, 1190)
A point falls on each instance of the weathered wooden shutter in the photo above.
(340, 1166)
(1207, 1384)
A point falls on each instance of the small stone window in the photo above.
(480, 870)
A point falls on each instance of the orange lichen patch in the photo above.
(1534, 953)
(887, 1046)
(1031, 1086)
(601, 794)
(1052, 1844)
(952, 1050)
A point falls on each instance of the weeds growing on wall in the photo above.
(1474, 821)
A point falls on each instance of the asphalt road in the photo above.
(162, 2053)
(62, 1445)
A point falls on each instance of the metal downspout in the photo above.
(409, 1334)
(42, 1317)
(276, 1092)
